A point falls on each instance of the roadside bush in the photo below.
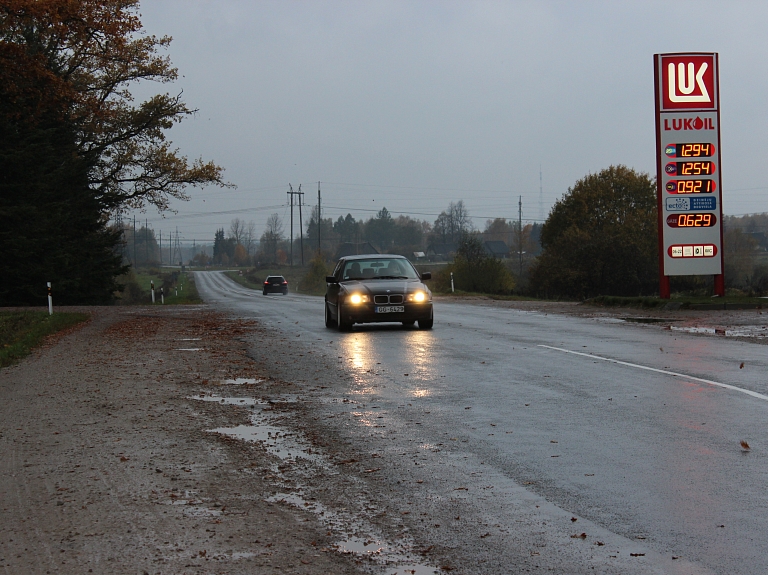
(314, 280)
(441, 280)
(476, 271)
(132, 292)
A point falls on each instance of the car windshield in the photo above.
(379, 268)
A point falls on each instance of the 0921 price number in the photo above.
(691, 186)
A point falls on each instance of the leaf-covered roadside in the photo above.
(22, 331)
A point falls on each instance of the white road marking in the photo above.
(665, 372)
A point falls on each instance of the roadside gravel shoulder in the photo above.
(107, 465)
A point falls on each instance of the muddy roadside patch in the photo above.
(110, 463)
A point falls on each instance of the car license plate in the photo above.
(390, 309)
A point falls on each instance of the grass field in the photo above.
(683, 301)
(21, 331)
(178, 291)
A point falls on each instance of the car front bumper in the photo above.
(366, 313)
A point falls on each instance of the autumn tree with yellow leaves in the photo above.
(75, 146)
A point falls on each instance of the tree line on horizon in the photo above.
(386, 233)
(76, 149)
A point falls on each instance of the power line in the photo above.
(420, 213)
(204, 214)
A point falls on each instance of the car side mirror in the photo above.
(331, 280)
(426, 276)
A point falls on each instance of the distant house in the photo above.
(497, 249)
(760, 238)
(441, 252)
(352, 249)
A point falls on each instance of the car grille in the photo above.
(383, 299)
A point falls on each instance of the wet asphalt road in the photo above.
(649, 462)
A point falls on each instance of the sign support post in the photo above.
(688, 175)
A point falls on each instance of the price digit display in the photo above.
(690, 168)
(689, 150)
(691, 186)
(691, 220)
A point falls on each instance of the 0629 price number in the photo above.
(691, 220)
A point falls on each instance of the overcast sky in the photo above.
(412, 105)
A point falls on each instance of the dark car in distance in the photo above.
(377, 288)
(275, 284)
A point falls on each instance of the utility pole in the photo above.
(134, 240)
(319, 219)
(290, 193)
(541, 197)
(146, 241)
(161, 248)
(119, 225)
(299, 193)
(177, 249)
(520, 233)
(301, 227)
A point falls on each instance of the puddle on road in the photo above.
(397, 558)
(275, 439)
(648, 319)
(190, 339)
(741, 331)
(242, 381)
(188, 349)
(249, 401)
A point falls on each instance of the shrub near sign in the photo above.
(688, 170)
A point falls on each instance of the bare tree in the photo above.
(452, 224)
(237, 230)
(249, 237)
(459, 219)
(272, 235)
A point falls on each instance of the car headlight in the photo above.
(357, 299)
(417, 297)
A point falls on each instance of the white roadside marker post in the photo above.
(152, 287)
(452, 290)
(50, 300)
(162, 296)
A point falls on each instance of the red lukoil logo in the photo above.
(688, 82)
(697, 123)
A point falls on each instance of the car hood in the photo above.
(373, 287)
